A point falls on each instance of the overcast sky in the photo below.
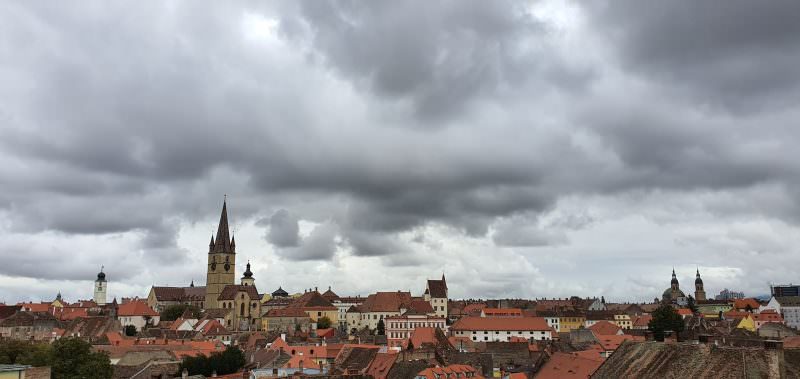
(524, 149)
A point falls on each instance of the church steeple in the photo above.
(699, 291)
(674, 283)
(223, 240)
(221, 260)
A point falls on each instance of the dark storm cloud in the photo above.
(741, 54)
(439, 58)
(284, 230)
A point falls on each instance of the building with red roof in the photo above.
(502, 329)
(138, 314)
(767, 316)
(746, 305)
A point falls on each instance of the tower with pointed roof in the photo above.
(221, 261)
(699, 292)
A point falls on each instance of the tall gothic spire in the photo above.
(223, 240)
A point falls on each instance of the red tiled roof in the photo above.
(448, 371)
(214, 328)
(423, 335)
(496, 323)
(743, 303)
(437, 288)
(380, 366)
(230, 291)
(642, 321)
(474, 309)
(564, 365)
(35, 307)
(327, 332)
(136, 308)
(311, 299)
(386, 301)
(768, 315)
(605, 328)
(419, 307)
(502, 312)
(168, 293)
(684, 311)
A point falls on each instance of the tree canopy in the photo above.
(172, 312)
(226, 362)
(381, 327)
(68, 358)
(665, 318)
(323, 322)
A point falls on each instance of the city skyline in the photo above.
(527, 150)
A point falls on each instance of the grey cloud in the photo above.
(525, 232)
(319, 245)
(741, 55)
(284, 230)
(439, 59)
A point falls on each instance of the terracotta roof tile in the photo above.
(136, 308)
(605, 328)
(385, 302)
(565, 365)
(232, 290)
(437, 288)
(495, 323)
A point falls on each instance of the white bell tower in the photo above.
(100, 288)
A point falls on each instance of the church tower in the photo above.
(221, 261)
(699, 292)
(247, 279)
(100, 288)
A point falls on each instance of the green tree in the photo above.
(37, 355)
(691, 304)
(130, 330)
(73, 358)
(381, 327)
(323, 322)
(11, 350)
(665, 318)
(226, 362)
(172, 312)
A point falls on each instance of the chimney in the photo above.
(283, 336)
